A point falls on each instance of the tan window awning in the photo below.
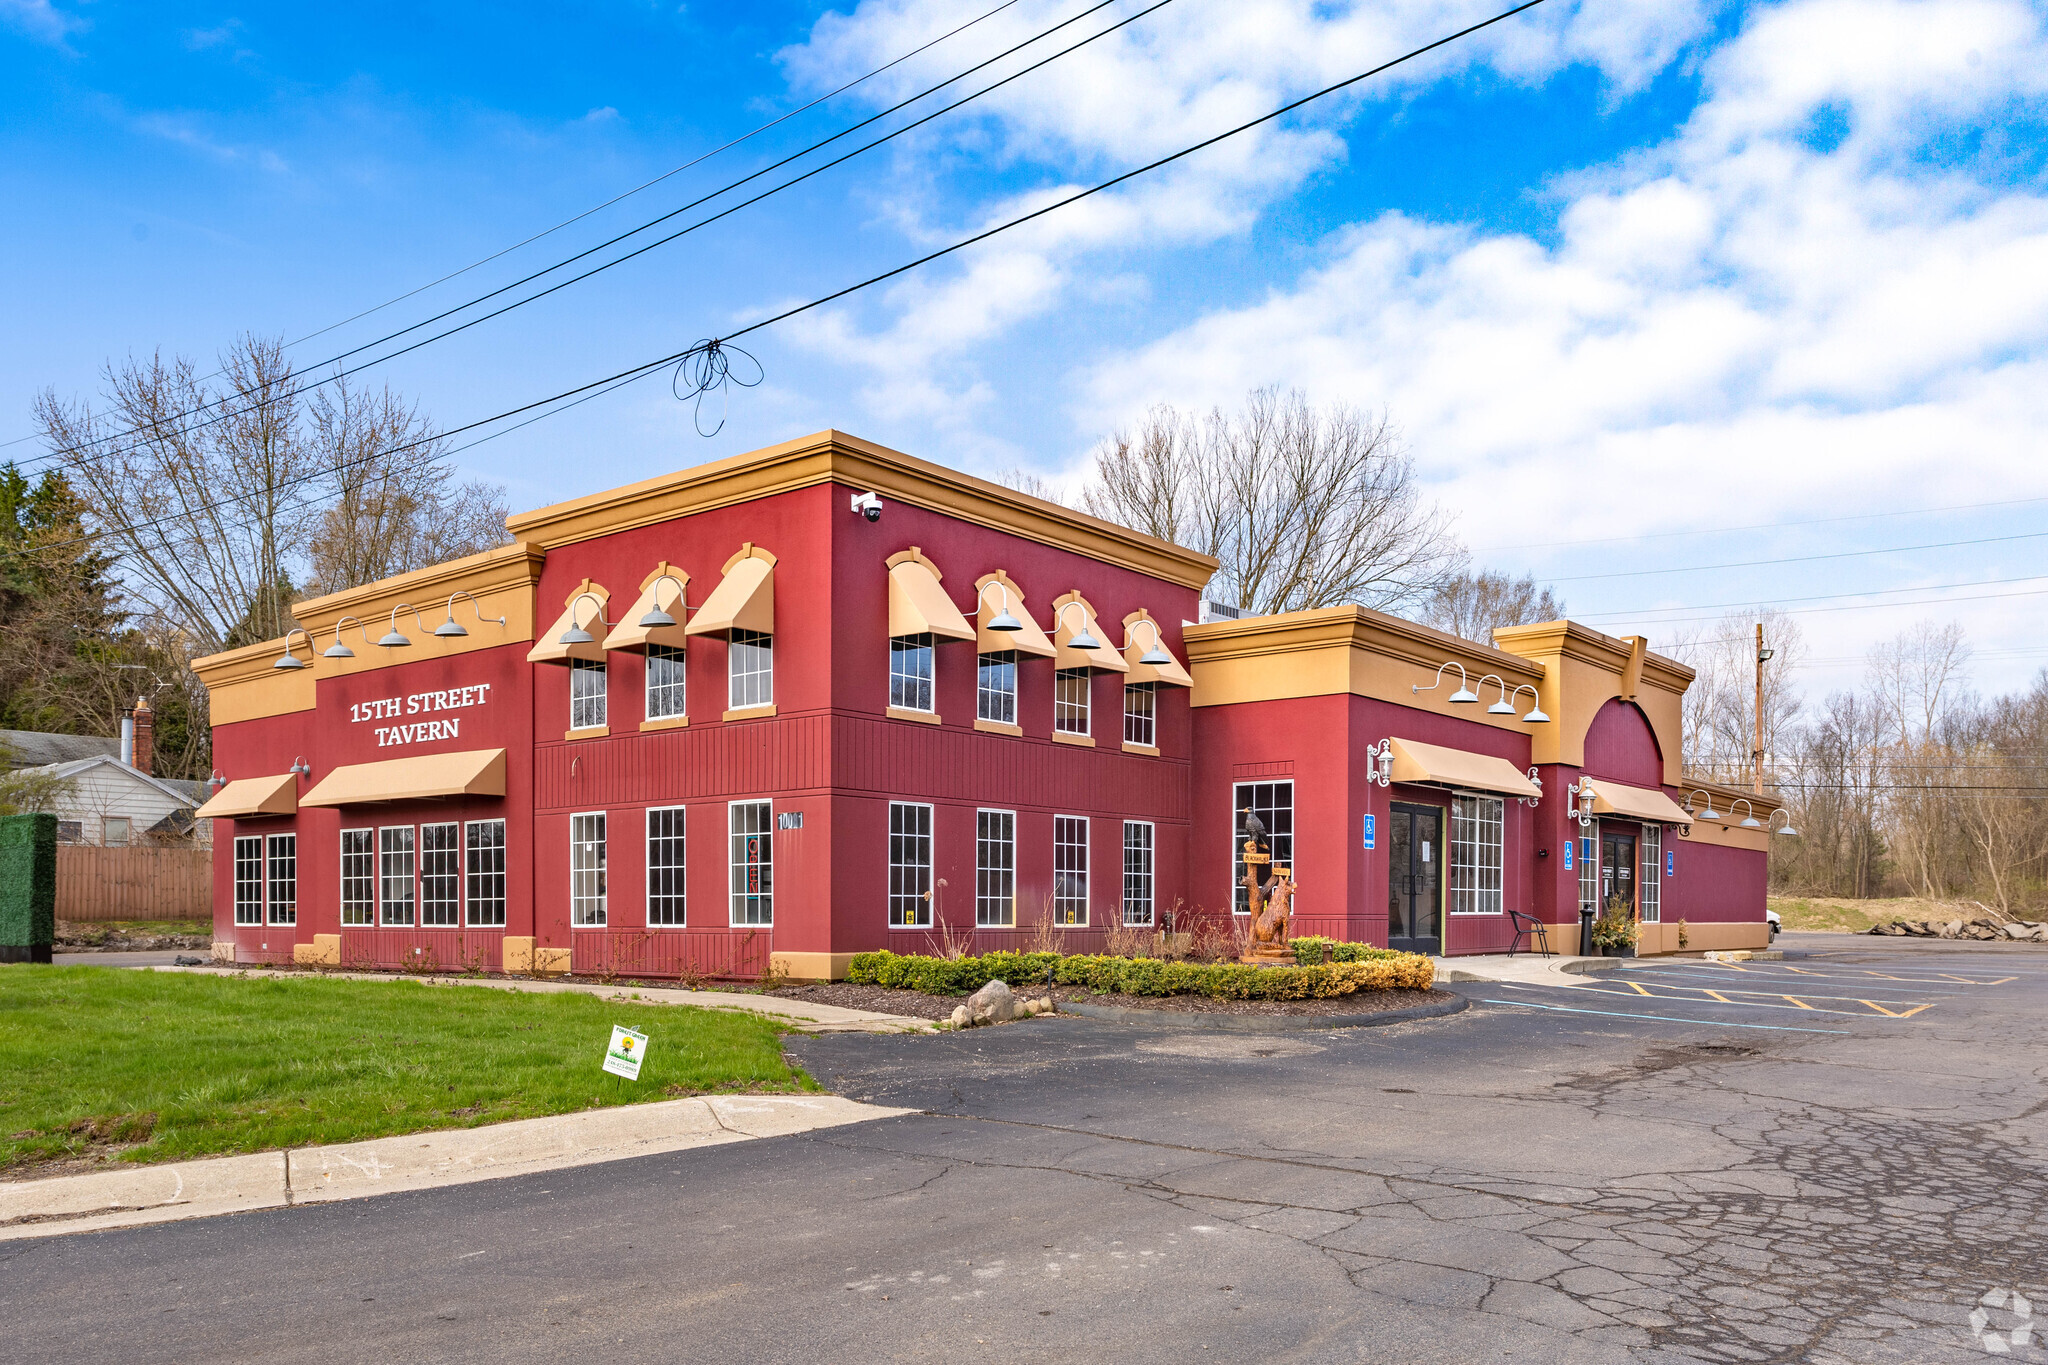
(1067, 624)
(1639, 803)
(743, 600)
(478, 772)
(586, 608)
(663, 589)
(1007, 597)
(1138, 641)
(1415, 762)
(250, 796)
(917, 604)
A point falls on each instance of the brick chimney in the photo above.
(145, 724)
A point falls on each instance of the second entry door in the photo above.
(1415, 904)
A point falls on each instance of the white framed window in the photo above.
(394, 874)
(1650, 880)
(910, 672)
(1140, 721)
(666, 866)
(1476, 854)
(485, 849)
(666, 694)
(586, 694)
(995, 869)
(441, 875)
(114, 830)
(995, 690)
(249, 879)
(358, 877)
(910, 865)
(1138, 836)
(1273, 803)
(1070, 869)
(750, 670)
(1589, 873)
(1070, 688)
(587, 870)
(751, 825)
(283, 856)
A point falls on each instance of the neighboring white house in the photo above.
(113, 803)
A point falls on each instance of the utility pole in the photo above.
(1757, 754)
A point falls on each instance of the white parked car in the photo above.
(1771, 917)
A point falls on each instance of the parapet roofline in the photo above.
(1319, 627)
(1571, 640)
(835, 457)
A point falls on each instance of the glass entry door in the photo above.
(1415, 902)
(1617, 871)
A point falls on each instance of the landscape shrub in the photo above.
(1310, 950)
(1372, 969)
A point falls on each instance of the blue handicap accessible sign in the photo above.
(1371, 831)
(1567, 856)
(1670, 861)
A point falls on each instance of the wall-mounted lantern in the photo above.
(1380, 764)
(1581, 793)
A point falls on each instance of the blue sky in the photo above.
(1624, 275)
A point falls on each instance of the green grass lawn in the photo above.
(153, 1066)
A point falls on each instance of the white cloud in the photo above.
(40, 20)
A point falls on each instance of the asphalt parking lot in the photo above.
(1838, 1158)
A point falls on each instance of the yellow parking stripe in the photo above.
(1895, 1014)
(1797, 1001)
(1640, 989)
(1720, 997)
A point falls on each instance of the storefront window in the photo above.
(1273, 803)
(1070, 701)
(249, 880)
(358, 877)
(910, 865)
(486, 874)
(394, 848)
(995, 868)
(1650, 882)
(750, 670)
(1140, 725)
(910, 672)
(284, 879)
(1070, 869)
(1137, 872)
(996, 690)
(752, 826)
(1476, 855)
(666, 866)
(440, 875)
(587, 870)
(1589, 875)
(586, 694)
(665, 698)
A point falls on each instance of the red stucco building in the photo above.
(731, 717)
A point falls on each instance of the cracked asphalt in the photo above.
(1840, 1158)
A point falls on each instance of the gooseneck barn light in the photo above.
(576, 634)
(453, 627)
(1002, 620)
(1749, 821)
(392, 638)
(1500, 707)
(1709, 813)
(1786, 828)
(1463, 695)
(1536, 714)
(1157, 655)
(291, 660)
(655, 615)
(338, 650)
(1082, 640)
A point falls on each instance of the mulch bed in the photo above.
(918, 1005)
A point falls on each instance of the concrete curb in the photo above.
(1261, 1023)
(452, 1156)
(804, 1014)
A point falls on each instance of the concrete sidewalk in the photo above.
(307, 1175)
(807, 1015)
(1526, 968)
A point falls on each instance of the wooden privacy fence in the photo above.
(137, 882)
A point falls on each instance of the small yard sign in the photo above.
(623, 1056)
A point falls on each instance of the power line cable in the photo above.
(1776, 603)
(1802, 559)
(1767, 525)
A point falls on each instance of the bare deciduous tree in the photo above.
(1720, 706)
(1301, 507)
(1470, 605)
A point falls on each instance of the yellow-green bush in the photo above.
(1384, 970)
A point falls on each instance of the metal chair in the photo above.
(1528, 927)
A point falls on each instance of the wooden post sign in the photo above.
(625, 1052)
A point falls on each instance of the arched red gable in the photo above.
(1620, 744)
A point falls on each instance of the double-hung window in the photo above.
(1070, 688)
(1650, 881)
(910, 672)
(665, 696)
(1138, 835)
(750, 670)
(1070, 869)
(587, 870)
(1141, 725)
(284, 878)
(910, 865)
(751, 826)
(249, 880)
(1589, 873)
(586, 694)
(666, 866)
(995, 691)
(486, 888)
(358, 877)
(1273, 803)
(394, 871)
(995, 869)
(1476, 854)
(441, 875)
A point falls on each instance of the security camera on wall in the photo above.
(868, 505)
